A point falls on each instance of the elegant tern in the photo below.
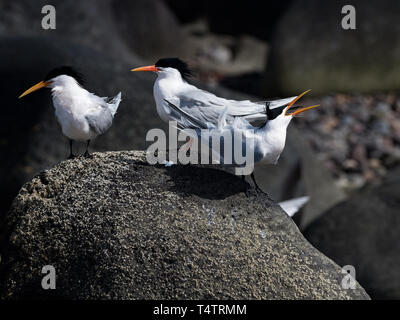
(265, 143)
(171, 84)
(81, 114)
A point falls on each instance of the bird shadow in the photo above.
(205, 182)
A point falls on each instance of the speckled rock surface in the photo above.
(115, 227)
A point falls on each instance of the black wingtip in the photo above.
(273, 113)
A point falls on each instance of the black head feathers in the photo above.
(177, 64)
(65, 70)
(275, 112)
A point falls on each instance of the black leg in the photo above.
(87, 154)
(258, 189)
(249, 190)
(71, 155)
(247, 186)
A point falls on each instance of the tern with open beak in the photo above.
(81, 114)
(265, 143)
(171, 84)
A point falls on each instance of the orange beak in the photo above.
(299, 110)
(146, 68)
(40, 85)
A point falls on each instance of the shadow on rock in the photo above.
(204, 182)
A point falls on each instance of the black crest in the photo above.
(65, 70)
(176, 63)
(273, 113)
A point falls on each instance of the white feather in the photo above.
(293, 205)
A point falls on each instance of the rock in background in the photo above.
(357, 137)
(150, 29)
(311, 50)
(232, 18)
(363, 231)
(117, 28)
(115, 227)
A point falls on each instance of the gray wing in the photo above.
(187, 117)
(101, 115)
(100, 121)
(207, 107)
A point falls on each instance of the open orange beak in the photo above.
(40, 85)
(147, 68)
(299, 110)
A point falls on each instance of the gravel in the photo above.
(356, 136)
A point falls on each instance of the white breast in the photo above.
(270, 144)
(168, 85)
(72, 103)
(161, 91)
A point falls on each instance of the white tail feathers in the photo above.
(114, 103)
(222, 119)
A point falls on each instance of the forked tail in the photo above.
(114, 103)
